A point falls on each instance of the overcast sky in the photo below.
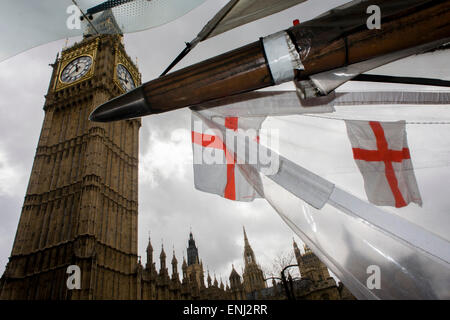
(169, 206)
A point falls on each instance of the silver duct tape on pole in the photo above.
(282, 57)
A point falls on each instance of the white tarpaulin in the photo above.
(239, 12)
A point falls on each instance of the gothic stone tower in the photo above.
(194, 269)
(80, 207)
(309, 265)
(236, 288)
(253, 275)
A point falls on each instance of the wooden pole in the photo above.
(403, 31)
(241, 70)
(324, 44)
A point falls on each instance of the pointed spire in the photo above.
(249, 255)
(209, 280)
(163, 254)
(149, 245)
(174, 259)
(192, 251)
(294, 243)
(298, 254)
(245, 236)
(162, 258)
(149, 253)
(175, 267)
(234, 274)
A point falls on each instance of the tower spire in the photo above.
(192, 251)
(252, 274)
(162, 257)
(245, 236)
(175, 267)
(149, 253)
(209, 280)
(174, 259)
(216, 284)
(249, 255)
(298, 255)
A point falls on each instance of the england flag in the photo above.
(381, 152)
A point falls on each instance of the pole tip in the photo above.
(127, 106)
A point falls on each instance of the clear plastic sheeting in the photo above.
(138, 15)
(409, 246)
(27, 24)
(349, 244)
(265, 104)
(239, 12)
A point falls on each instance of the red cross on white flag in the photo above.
(381, 152)
(222, 175)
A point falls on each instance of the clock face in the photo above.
(76, 69)
(125, 78)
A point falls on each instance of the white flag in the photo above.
(227, 152)
(216, 154)
(381, 152)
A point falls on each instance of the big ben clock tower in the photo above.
(80, 208)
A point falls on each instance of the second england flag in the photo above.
(381, 152)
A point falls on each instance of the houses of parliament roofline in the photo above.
(315, 284)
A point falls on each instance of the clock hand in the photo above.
(73, 71)
(123, 79)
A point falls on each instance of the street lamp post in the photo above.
(290, 295)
